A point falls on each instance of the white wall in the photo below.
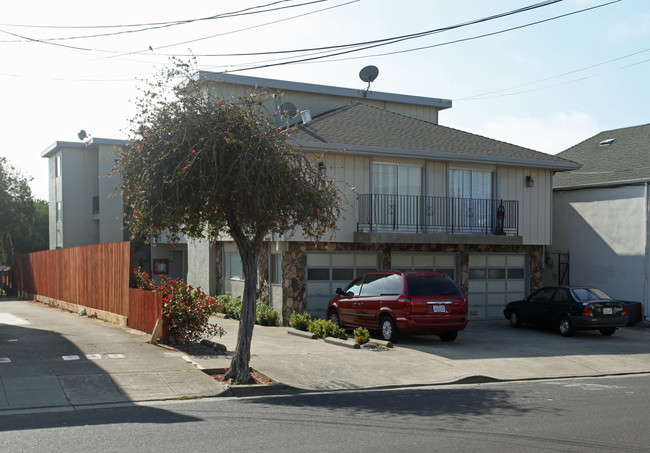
(603, 229)
(79, 186)
(110, 202)
(201, 265)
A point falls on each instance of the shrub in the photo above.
(232, 307)
(266, 315)
(188, 310)
(361, 335)
(323, 328)
(141, 279)
(300, 321)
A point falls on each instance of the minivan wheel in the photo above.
(334, 318)
(448, 336)
(565, 327)
(387, 329)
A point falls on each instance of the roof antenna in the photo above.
(368, 74)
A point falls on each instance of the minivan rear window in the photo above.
(432, 286)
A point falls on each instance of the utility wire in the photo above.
(154, 26)
(484, 95)
(313, 58)
(475, 98)
(485, 35)
(390, 40)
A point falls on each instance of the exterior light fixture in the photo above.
(530, 182)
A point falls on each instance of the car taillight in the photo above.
(624, 310)
(587, 311)
(404, 303)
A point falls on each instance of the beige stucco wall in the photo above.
(603, 229)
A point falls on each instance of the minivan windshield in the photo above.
(432, 286)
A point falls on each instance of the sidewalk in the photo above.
(51, 358)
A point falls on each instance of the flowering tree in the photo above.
(203, 166)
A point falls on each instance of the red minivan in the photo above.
(394, 302)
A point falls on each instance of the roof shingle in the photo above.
(362, 125)
(626, 158)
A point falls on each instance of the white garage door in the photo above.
(495, 280)
(328, 271)
(440, 262)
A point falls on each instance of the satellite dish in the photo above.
(288, 109)
(82, 134)
(369, 74)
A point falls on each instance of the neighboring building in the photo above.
(425, 197)
(85, 208)
(601, 215)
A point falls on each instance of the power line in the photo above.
(313, 58)
(391, 39)
(474, 98)
(485, 35)
(148, 27)
(242, 12)
(485, 95)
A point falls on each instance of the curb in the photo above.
(345, 343)
(302, 333)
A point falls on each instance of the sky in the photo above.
(546, 78)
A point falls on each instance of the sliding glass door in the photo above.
(396, 196)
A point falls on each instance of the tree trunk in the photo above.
(239, 370)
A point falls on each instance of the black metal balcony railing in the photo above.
(437, 215)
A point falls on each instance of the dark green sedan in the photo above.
(568, 309)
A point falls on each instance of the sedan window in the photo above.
(561, 295)
(587, 294)
(543, 295)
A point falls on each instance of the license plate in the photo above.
(608, 311)
(439, 309)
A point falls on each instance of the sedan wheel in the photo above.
(565, 327)
(514, 319)
(334, 318)
(607, 331)
(387, 329)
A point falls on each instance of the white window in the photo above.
(233, 267)
(57, 166)
(470, 190)
(276, 268)
(470, 184)
(396, 190)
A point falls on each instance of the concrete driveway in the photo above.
(485, 350)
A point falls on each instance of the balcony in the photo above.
(437, 215)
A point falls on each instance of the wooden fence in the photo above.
(92, 276)
(145, 308)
